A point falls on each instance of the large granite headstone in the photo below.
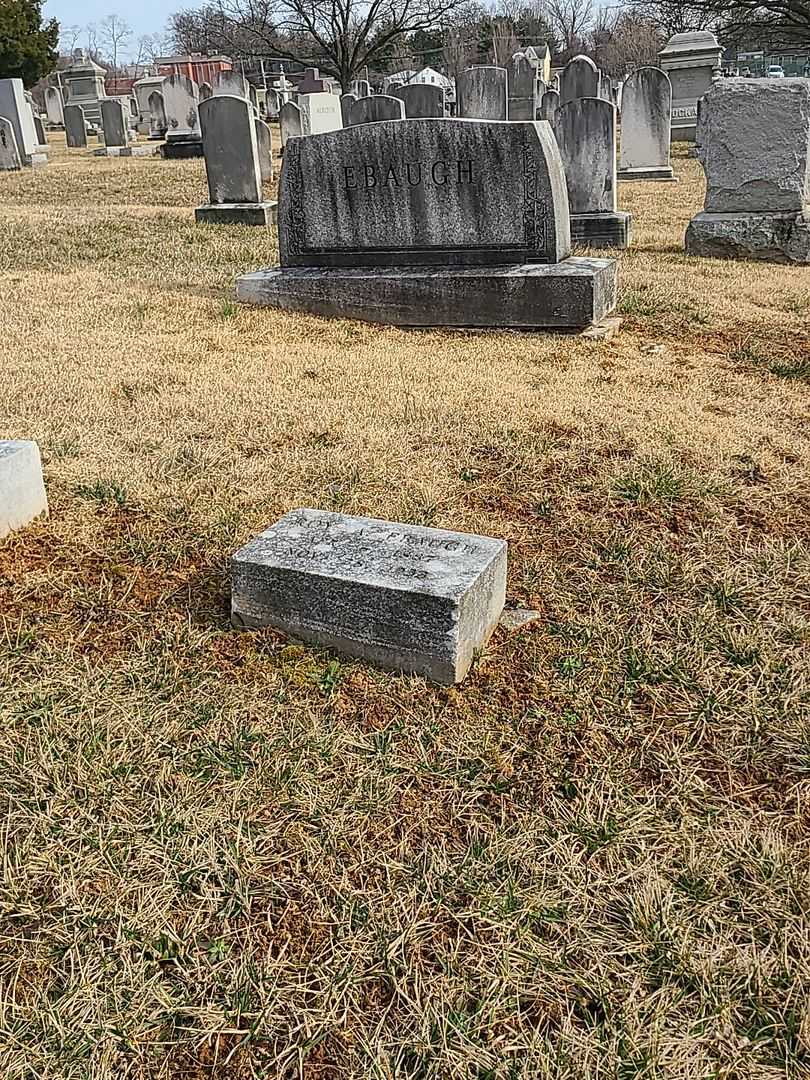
(180, 101)
(481, 93)
(402, 597)
(522, 83)
(9, 154)
(157, 114)
(22, 490)
(586, 135)
(691, 60)
(232, 164)
(75, 126)
(114, 123)
(421, 100)
(15, 108)
(54, 106)
(320, 112)
(579, 78)
(431, 222)
(646, 121)
(371, 110)
(753, 141)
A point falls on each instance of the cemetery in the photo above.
(404, 561)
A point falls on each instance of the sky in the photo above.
(145, 17)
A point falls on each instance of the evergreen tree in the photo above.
(27, 46)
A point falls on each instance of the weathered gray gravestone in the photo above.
(431, 222)
(289, 120)
(232, 164)
(15, 108)
(549, 106)
(646, 121)
(421, 100)
(39, 127)
(9, 154)
(371, 110)
(54, 106)
(481, 93)
(22, 491)
(753, 141)
(522, 83)
(75, 128)
(157, 114)
(402, 597)
(232, 83)
(180, 101)
(579, 78)
(264, 144)
(586, 135)
(346, 102)
(206, 91)
(114, 123)
(361, 88)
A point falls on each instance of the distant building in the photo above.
(427, 76)
(198, 68)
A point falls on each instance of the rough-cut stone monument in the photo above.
(157, 113)
(9, 154)
(481, 93)
(180, 101)
(232, 164)
(22, 491)
(579, 78)
(421, 100)
(371, 110)
(15, 108)
(431, 223)
(522, 83)
(646, 121)
(402, 597)
(320, 112)
(75, 126)
(586, 134)
(754, 144)
(691, 61)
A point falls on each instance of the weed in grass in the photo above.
(228, 310)
(106, 492)
(652, 483)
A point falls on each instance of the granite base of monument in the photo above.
(661, 173)
(176, 149)
(124, 151)
(237, 213)
(604, 230)
(22, 490)
(402, 597)
(781, 238)
(565, 295)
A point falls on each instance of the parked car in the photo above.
(775, 72)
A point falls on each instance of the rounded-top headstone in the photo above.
(421, 100)
(646, 119)
(522, 82)
(230, 149)
(586, 136)
(9, 154)
(374, 109)
(580, 78)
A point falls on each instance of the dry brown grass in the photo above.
(229, 856)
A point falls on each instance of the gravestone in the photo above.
(143, 90)
(264, 144)
(39, 128)
(549, 106)
(319, 112)
(481, 93)
(289, 120)
(371, 110)
(75, 127)
(273, 103)
(433, 222)
(586, 135)
(114, 123)
(522, 83)
(691, 61)
(206, 91)
(421, 100)
(753, 141)
(157, 112)
(232, 164)
(579, 78)
(646, 120)
(312, 83)
(15, 108)
(180, 101)
(361, 88)
(232, 83)
(346, 102)
(9, 154)
(22, 491)
(402, 597)
(54, 106)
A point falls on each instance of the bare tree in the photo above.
(458, 51)
(771, 23)
(671, 16)
(570, 20)
(504, 40)
(114, 34)
(68, 36)
(623, 41)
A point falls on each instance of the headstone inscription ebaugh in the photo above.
(431, 222)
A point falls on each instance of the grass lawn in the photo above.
(225, 855)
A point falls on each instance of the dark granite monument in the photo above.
(431, 223)
(371, 110)
(421, 100)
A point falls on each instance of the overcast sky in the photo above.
(145, 17)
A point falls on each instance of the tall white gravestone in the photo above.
(54, 106)
(646, 121)
(15, 108)
(320, 112)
